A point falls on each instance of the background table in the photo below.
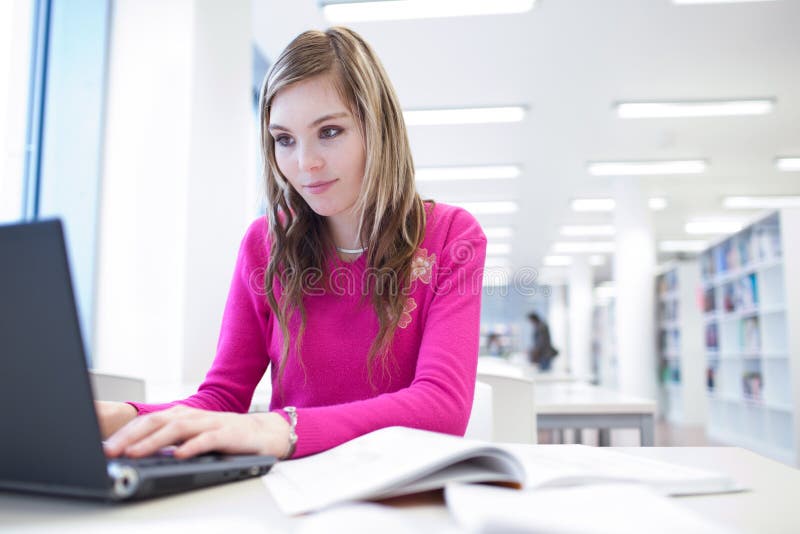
(559, 406)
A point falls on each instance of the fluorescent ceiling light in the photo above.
(483, 172)
(557, 261)
(496, 261)
(498, 249)
(690, 2)
(642, 168)
(787, 164)
(341, 12)
(576, 247)
(685, 245)
(595, 260)
(639, 110)
(713, 226)
(587, 230)
(498, 232)
(426, 117)
(754, 203)
(485, 208)
(609, 204)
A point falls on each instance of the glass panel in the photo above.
(16, 38)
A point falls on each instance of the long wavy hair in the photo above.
(391, 213)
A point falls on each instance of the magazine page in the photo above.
(594, 509)
(571, 465)
(387, 462)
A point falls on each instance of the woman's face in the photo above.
(318, 145)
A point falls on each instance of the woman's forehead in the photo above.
(313, 96)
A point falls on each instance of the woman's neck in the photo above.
(343, 228)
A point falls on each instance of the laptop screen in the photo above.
(49, 429)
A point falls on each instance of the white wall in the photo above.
(178, 183)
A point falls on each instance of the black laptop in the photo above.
(49, 437)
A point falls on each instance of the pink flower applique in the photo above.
(405, 317)
(422, 266)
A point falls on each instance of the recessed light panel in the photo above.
(342, 12)
(647, 110)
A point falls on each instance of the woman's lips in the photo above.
(319, 187)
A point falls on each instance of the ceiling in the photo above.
(568, 61)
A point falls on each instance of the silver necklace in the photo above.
(351, 250)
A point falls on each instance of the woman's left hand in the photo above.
(197, 431)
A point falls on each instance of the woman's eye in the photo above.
(329, 132)
(283, 140)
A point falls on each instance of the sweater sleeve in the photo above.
(242, 356)
(439, 397)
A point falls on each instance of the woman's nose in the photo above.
(308, 159)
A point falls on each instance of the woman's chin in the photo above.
(324, 210)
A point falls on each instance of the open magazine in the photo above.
(399, 461)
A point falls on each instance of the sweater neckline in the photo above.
(337, 261)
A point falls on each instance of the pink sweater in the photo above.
(431, 377)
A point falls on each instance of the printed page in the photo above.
(570, 465)
(380, 464)
(594, 509)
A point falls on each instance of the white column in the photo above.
(634, 269)
(558, 321)
(580, 316)
(179, 162)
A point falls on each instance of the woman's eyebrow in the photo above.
(318, 121)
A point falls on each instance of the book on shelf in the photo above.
(768, 240)
(752, 385)
(667, 283)
(712, 337)
(707, 267)
(709, 300)
(749, 335)
(399, 461)
(760, 243)
(711, 372)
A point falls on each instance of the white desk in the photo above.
(574, 405)
(247, 506)
(499, 366)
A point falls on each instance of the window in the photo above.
(52, 95)
(17, 47)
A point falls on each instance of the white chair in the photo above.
(480, 419)
(117, 388)
(513, 415)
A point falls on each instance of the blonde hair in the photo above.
(391, 213)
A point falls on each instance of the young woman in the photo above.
(361, 299)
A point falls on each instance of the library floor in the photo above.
(667, 434)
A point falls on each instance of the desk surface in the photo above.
(247, 506)
(499, 366)
(574, 398)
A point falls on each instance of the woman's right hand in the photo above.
(113, 415)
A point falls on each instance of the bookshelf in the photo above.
(751, 322)
(681, 366)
